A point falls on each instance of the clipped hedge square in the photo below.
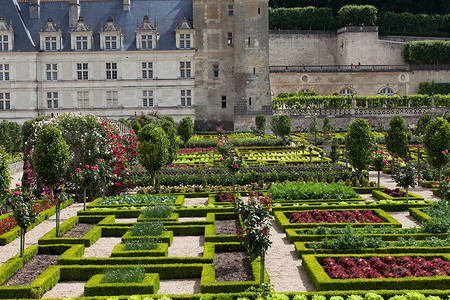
(95, 287)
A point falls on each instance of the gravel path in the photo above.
(284, 267)
(102, 247)
(187, 246)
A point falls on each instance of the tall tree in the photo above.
(185, 129)
(397, 138)
(152, 149)
(359, 144)
(436, 140)
(50, 160)
(314, 128)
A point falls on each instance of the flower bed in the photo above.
(385, 267)
(325, 216)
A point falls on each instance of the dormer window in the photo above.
(6, 35)
(110, 36)
(184, 35)
(81, 36)
(51, 37)
(146, 35)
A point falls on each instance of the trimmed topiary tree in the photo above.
(284, 127)
(436, 140)
(314, 128)
(357, 15)
(422, 123)
(359, 144)
(169, 129)
(260, 122)
(153, 149)
(50, 160)
(397, 138)
(406, 178)
(334, 153)
(185, 129)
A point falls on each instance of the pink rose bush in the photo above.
(315, 216)
(385, 267)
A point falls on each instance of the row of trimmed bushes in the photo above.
(341, 102)
(427, 52)
(322, 18)
(430, 88)
(243, 178)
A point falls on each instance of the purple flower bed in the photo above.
(394, 192)
(385, 267)
(315, 216)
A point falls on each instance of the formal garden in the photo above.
(146, 209)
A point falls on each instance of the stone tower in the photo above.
(231, 62)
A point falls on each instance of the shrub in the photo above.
(145, 243)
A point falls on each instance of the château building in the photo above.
(207, 59)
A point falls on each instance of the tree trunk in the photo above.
(22, 241)
(84, 199)
(407, 196)
(57, 219)
(152, 174)
(261, 277)
(234, 182)
(378, 184)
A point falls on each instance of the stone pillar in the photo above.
(34, 9)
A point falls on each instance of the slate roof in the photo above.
(165, 12)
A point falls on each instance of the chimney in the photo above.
(126, 5)
(33, 9)
(74, 12)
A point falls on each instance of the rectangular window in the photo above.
(185, 41)
(4, 72)
(230, 9)
(5, 101)
(83, 99)
(112, 98)
(186, 100)
(147, 70)
(82, 71)
(81, 43)
(4, 43)
(147, 42)
(52, 100)
(185, 69)
(111, 71)
(215, 71)
(50, 43)
(224, 101)
(230, 38)
(147, 98)
(111, 42)
(51, 71)
(249, 42)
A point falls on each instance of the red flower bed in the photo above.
(394, 192)
(9, 223)
(315, 216)
(385, 267)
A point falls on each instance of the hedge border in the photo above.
(162, 249)
(380, 195)
(283, 221)
(179, 201)
(95, 286)
(302, 249)
(322, 281)
(293, 236)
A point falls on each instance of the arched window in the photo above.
(346, 92)
(304, 91)
(386, 91)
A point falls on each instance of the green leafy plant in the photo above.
(145, 243)
(158, 211)
(147, 229)
(5, 178)
(260, 122)
(124, 275)
(309, 190)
